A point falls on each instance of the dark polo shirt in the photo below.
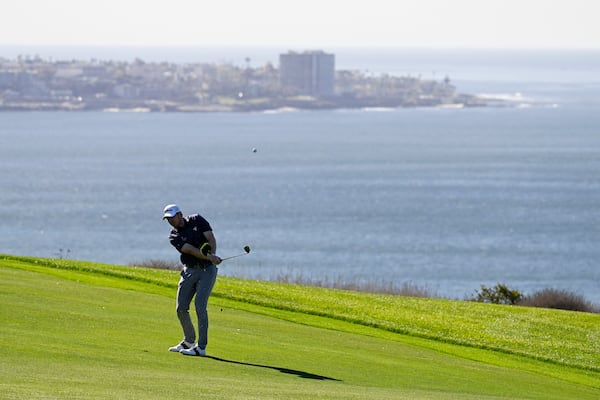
(192, 233)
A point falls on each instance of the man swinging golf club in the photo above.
(198, 276)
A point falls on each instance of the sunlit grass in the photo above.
(74, 330)
(561, 337)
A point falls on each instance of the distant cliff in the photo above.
(31, 83)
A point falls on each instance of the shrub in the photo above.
(158, 264)
(559, 299)
(499, 294)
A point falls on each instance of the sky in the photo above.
(547, 24)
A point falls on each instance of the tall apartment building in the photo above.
(309, 73)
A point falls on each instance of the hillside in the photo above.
(75, 329)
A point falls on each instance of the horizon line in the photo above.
(273, 46)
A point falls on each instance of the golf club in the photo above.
(205, 249)
(246, 251)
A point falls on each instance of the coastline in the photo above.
(34, 84)
(264, 105)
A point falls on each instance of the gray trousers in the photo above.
(198, 282)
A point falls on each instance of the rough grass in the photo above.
(404, 289)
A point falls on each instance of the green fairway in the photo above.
(74, 330)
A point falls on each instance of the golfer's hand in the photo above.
(216, 260)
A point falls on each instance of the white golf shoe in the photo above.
(194, 351)
(182, 346)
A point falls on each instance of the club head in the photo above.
(247, 249)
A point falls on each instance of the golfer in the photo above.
(197, 277)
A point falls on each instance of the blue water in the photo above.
(445, 199)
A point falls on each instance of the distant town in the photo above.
(302, 80)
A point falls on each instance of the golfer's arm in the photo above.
(210, 236)
(189, 249)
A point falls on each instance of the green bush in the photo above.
(499, 294)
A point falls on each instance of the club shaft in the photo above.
(230, 257)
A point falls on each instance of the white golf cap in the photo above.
(170, 211)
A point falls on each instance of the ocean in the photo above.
(445, 199)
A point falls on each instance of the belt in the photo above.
(198, 266)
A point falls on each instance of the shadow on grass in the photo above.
(300, 374)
